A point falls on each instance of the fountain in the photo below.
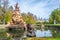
(16, 27)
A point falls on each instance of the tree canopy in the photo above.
(5, 11)
(55, 16)
(29, 17)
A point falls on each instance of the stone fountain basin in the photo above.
(15, 30)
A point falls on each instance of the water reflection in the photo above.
(46, 33)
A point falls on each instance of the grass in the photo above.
(35, 38)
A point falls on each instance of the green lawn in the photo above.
(42, 38)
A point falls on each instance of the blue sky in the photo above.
(40, 8)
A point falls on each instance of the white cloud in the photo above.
(39, 8)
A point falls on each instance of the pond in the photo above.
(39, 33)
(46, 33)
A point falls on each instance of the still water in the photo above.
(39, 33)
(46, 33)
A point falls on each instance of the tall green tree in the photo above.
(55, 15)
(5, 11)
(1, 14)
(24, 16)
(29, 17)
(8, 16)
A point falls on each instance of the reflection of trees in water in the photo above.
(55, 30)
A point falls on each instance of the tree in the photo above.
(11, 8)
(5, 7)
(29, 18)
(24, 16)
(1, 14)
(5, 4)
(8, 16)
(55, 16)
(5, 11)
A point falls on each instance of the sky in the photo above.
(40, 8)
